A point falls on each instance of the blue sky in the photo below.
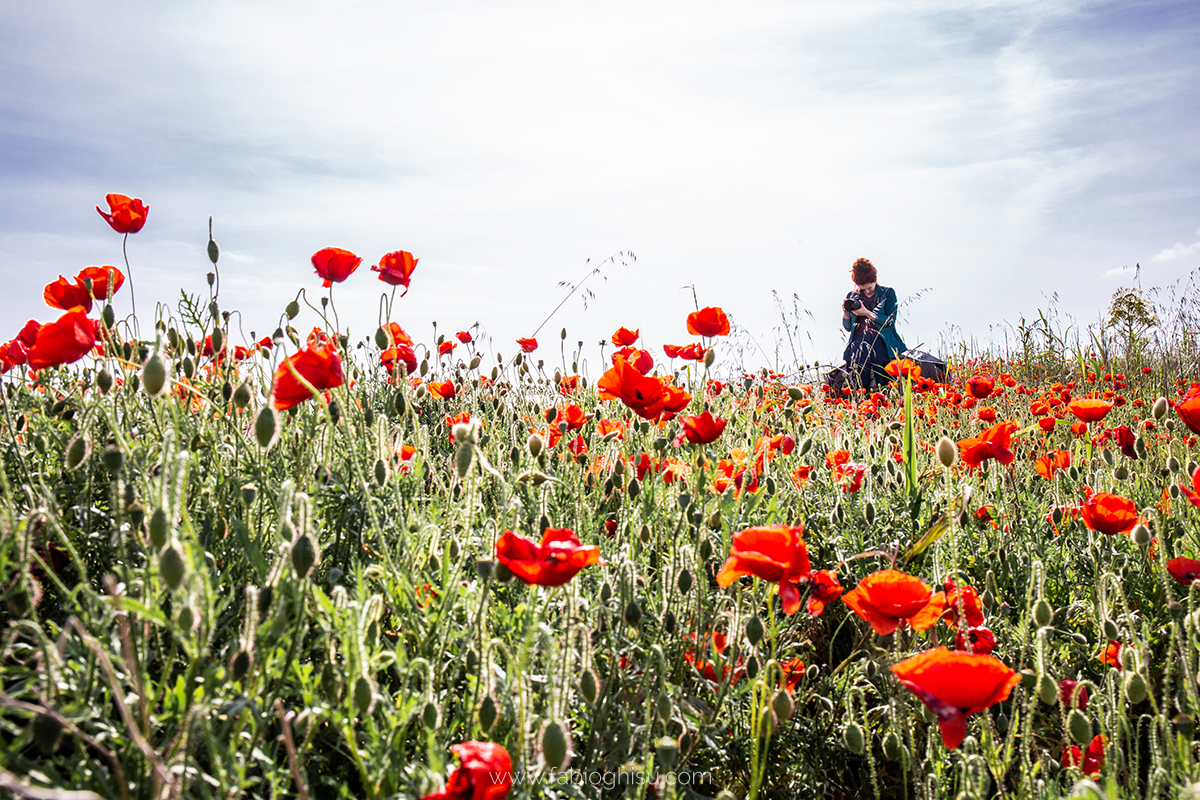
(996, 153)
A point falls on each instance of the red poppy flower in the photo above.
(709, 321)
(527, 345)
(446, 347)
(465, 337)
(704, 428)
(887, 598)
(1126, 440)
(954, 685)
(446, 390)
(1073, 695)
(606, 428)
(66, 294)
(980, 387)
(992, 443)
(675, 399)
(1184, 570)
(1189, 409)
(64, 341)
(986, 414)
(836, 458)
(975, 640)
(1090, 409)
(777, 554)
(1109, 513)
(800, 475)
(99, 276)
(625, 337)
(903, 368)
(1091, 761)
(641, 394)
(1039, 408)
(395, 269)
(824, 590)
(705, 668)
(642, 360)
(572, 415)
(1111, 654)
(126, 215)
(334, 265)
(1047, 424)
(672, 350)
(1052, 462)
(1193, 494)
(320, 365)
(942, 605)
(552, 563)
(485, 773)
(693, 352)
(400, 354)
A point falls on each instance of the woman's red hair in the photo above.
(864, 272)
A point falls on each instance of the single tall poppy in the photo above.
(320, 365)
(777, 554)
(954, 685)
(125, 215)
(552, 563)
(334, 265)
(396, 269)
(527, 345)
(709, 321)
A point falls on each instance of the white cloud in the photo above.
(1180, 250)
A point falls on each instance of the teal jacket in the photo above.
(886, 308)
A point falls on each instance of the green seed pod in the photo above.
(218, 340)
(292, 309)
(813, 672)
(947, 451)
(706, 549)
(554, 745)
(463, 457)
(154, 375)
(1173, 464)
(108, 315)
(364, 695)
(668, 623)
(782, 705)
(186, 619)
(487, 713)
(754, 630)
(869, 512)
(78, 450)
(1048, 690)
(1043, 614)
(239, 666)
(160, 528)
(1141, 535)
(502, 573)
(634, 489)
(189, 367)
(805, 446)
(304, 555)
(104, 380)
(266, 427)
(172, 567)
(684, 581)
(589, 686)
(852, 736)
(666, 752)
(214, 252)
(113, 459)
(535, 445)
(1107, 455)
(632, 614)
(381, 472)
(1135, 688)
(249, 492)
(663, 707)
(242, 395)
(1160, 408)
(47, 733)
(1121, 472)
(1028, 678)
(710, 356)
(1129, 659)
(892, 746)
(263, 604)
(1111, 631)
(1079, 727)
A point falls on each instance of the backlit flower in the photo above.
(1091, 761)
(552, 563)
(527, 345)
(980, 387)
(66, 294)
(954, 685)
(399, 354)
(1193, 494)
(1109, 513)
(704, 428)
(465, 337)
(1184, 570)
(949, 605)
(709, 321)
(823, 589)
(64, 341)
(903, 368)
(334, 265)
(1089, 409)
(125, 215)
(484, 773)
(642, 394)
(888, 598)
(1052, 462)
(992, 443)
(395, 269)
(1189, 409)
(776, 554)
(446, 390)
(319, 365)
(625, 337)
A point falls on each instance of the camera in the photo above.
(852, 303)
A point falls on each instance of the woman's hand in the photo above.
(862, 311)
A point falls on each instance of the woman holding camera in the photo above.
(869, 313)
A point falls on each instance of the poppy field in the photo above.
(294, 564)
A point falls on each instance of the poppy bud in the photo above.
(1047, 690)
(218, 340)
(1121, 472)
(852, 736)
(1110, 630)
(430, 715)
(304, 555)
(487, 713)
(589, 686)
(782, 705)
(554, 745)
(947, 451)
(663, 707)
(535, 445)
(364, 695)
(1129, 659)
(668, 623)
(892, 746)
(869, 512)
(684, 582)
(1107, 455)
(706, 549)
(666, 752)
(239, 665)
(1159, 409)
(186, 620)
(172, 568)
(241, 395)
(1135, 688)
(292, 309)
(104, 380)
(266, 427)
(710, 356)
(1141, 535)
(1079, 727)
(78, 449)
(160, 528)
(1043, 614)
(805, 446)
(632, 614)
(47, 733)
(154, 375)
(754, 630)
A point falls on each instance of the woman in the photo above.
(869, 313)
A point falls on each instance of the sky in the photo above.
(991, 158)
